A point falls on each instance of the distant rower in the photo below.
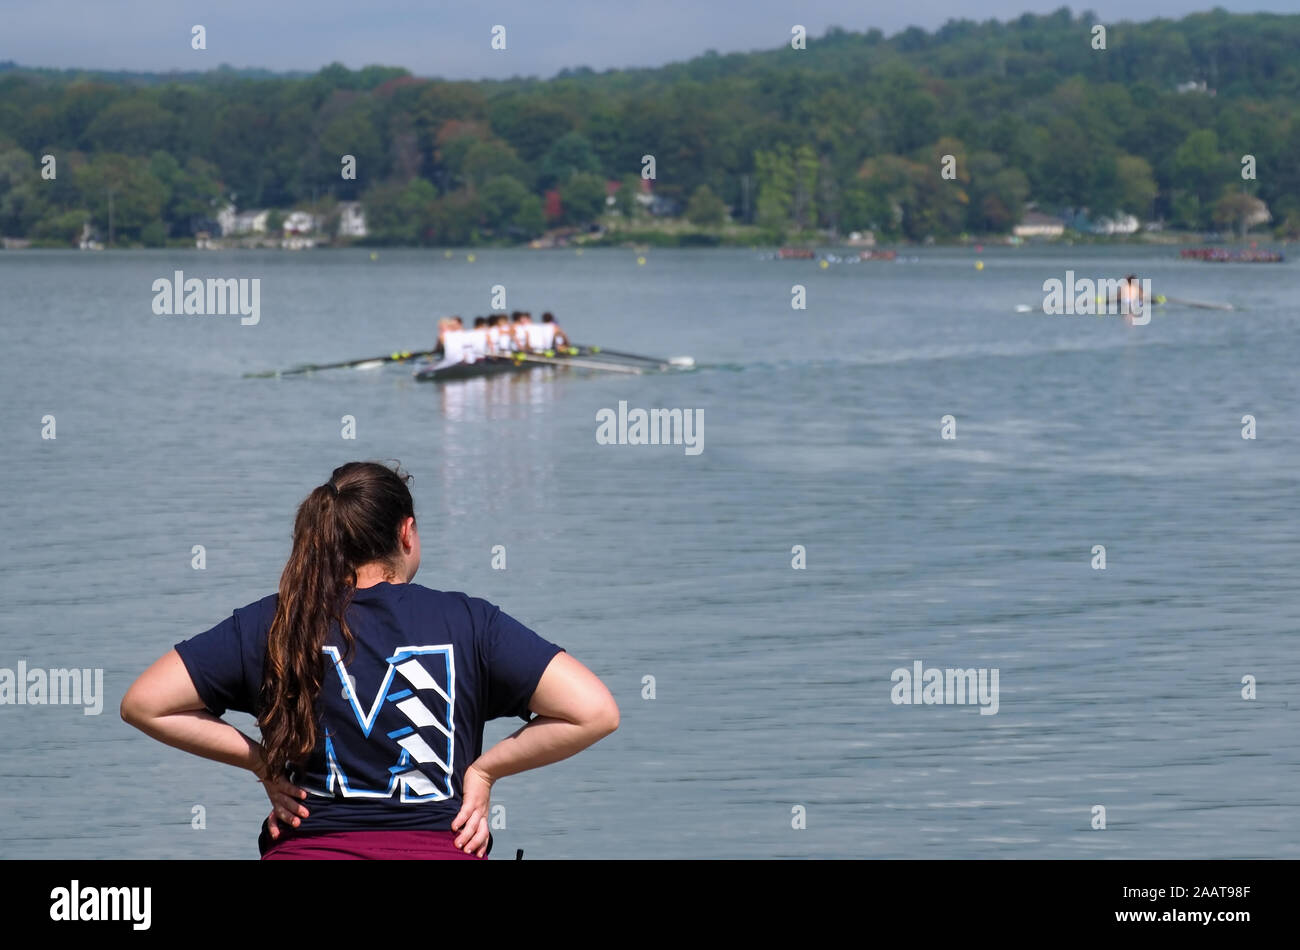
(557, 337)
(456, 342)
(1131, 298)
(540, 336)
(498, 334)
(500, 337)
(445, 325)
(520, 321)
(479, 337)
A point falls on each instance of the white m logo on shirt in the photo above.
(423, 769)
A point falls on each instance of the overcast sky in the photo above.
(433, 37)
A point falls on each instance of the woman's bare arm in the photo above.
(574, 710)
(163, 703)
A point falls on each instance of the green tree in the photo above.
(153, 234)
(705, 208)
(583, 196)
(530, 219)
(1201, 171)
(529, 123)
(453, 220)
(134, 126)
(122, 195)
(862, 209)
(625, 198)
(1237, 210)
(775, 172)
(997, 194)
(416, 209)
(1137, 185)
(571, 153)
(398, 213)
(491, 159)
(61, 227)
(804, 205)
(910, 112)
(189, 193)
(890, 185)
(21, 204)
(501, 199)
(354, 133)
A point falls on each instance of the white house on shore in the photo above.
(352, 219)
(299, 222)
(252, 222)
(226, 219)
(243, 222)
(1121, 224)
(1035, 224)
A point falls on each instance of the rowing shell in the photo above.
(488, 366)
(575, 358)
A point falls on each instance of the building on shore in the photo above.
(242, 222)
(299, 222)
(1037, 225)
(1120, 224)
(352, 220)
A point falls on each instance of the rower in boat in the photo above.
(500, 339)
(479, 337)
(458, 343)
(557, 338)
(510, 324)
(512, 332)
(519, 321)
(1130, 295)
(540, 336)
(1131, 299)
(444, 324)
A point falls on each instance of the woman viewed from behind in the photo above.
(370, 691)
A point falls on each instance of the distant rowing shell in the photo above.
(581, 358)
(488, 366)
(1104, 309)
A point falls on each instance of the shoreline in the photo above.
(686, 241)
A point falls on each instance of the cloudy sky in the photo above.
(437, 38)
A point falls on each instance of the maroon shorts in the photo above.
(369, 845)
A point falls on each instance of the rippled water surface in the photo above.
(1120, 688)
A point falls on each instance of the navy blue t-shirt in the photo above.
(403, 717)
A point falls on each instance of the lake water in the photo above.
(1119, 687)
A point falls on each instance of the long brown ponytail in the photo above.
(353, 519)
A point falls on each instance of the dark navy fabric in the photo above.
(403, 716)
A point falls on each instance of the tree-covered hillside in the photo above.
(850, 133)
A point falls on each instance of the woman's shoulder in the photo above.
(257, 615)
(445, 597)
(455, 603)
(264, 608)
